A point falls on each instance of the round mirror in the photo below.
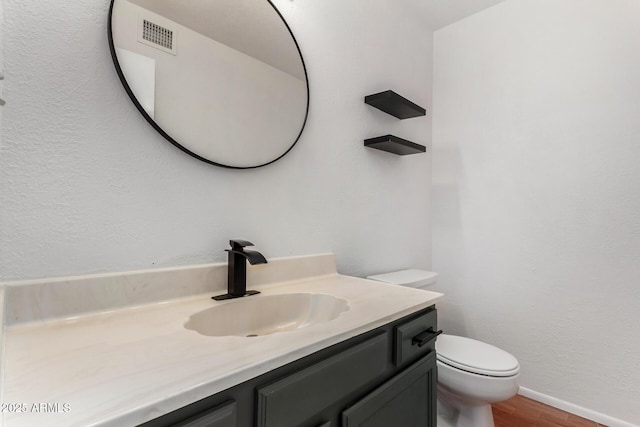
(223, 80)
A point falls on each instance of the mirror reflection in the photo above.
(224, 80)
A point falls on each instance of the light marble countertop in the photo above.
(130, 365)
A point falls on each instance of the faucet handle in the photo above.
(238, 244)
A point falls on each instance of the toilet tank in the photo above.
(413, 278)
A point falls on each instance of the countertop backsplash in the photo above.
(48, 299)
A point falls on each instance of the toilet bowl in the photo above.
(471, 374)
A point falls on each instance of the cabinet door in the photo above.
(220, 416)
(293, 400)
(408, 399)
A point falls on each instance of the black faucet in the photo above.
(237, 280)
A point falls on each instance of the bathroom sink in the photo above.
(266, 314)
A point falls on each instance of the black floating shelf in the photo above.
(394, 104)
(395, 145)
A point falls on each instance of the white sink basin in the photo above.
(266, 314)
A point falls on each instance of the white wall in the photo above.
(88, 185)
(1, 154)
(536, 192)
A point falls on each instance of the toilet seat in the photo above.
(475, 356)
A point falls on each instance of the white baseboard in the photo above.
(574, 409)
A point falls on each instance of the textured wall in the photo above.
(536, 192)
(88, 185)
(1, 155)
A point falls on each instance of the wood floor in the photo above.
(522, 412)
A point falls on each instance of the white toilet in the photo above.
(471, 374)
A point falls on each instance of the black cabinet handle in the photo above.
(424, 337)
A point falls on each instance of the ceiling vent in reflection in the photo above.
(159, 36)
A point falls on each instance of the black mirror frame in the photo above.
(166, 135)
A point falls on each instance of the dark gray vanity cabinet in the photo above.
(381, 378)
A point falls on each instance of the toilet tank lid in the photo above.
(413, 277)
